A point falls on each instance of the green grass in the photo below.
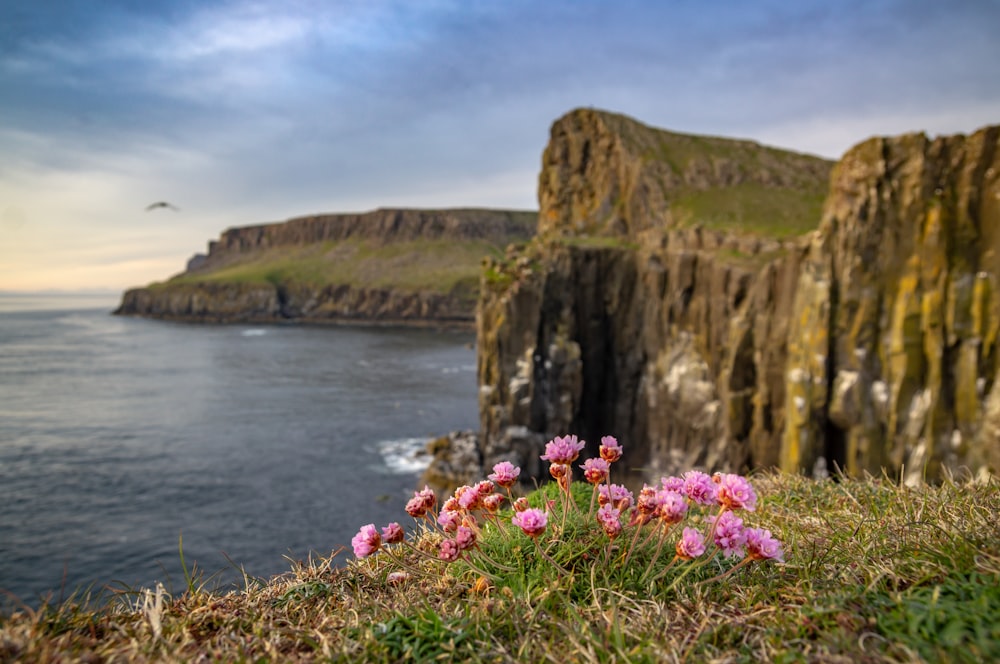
(874, 572)
(752, 209)
(442, 266)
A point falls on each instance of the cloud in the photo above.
(244, 112)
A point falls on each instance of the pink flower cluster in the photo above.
(664, 506)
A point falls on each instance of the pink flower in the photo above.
(505, 474)
(596, 471)
(393, 533)
(671, 507)
(610, 520)
(397, 578)
(492, 502)
(367, 541)
(735, 492)
(521, 504)
(421, 502)
(560, 471)
(467, 497)
(484, 488)
(532, 521)
(762, 546)
(700, 488)
(465, 538)
(672, 484)
(563, 450)
(610, 450)
(450, 520)
(691, 544)
(730, 536)
(448, 550)
(616, 495)
(648, 500)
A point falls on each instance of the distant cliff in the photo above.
(678, 297)
(393, 266)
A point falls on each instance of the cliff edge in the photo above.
(695, 297)
(386, 266)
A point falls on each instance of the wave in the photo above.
(405, 456)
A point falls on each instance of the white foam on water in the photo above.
(404, 456)
(459, 369)
(254, 332)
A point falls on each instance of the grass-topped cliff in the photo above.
(727, 305)
(417, 266)
(873, 572)
(605, 173)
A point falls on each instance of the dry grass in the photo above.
(875, 572)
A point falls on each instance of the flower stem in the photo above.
(492, 562)
(559, 567)
(728, 572)
(399, 561)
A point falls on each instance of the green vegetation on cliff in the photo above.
(404, 266)
(605, 173)
(442, 266)
(751, 208)
(874, 572)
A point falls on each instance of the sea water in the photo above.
(124, 441)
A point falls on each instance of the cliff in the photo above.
(398, 266)
(678, 297)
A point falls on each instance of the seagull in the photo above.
(162, 204)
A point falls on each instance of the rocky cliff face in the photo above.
(343, 267)
(869, 343)
(893, 347)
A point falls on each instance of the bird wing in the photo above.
(161, 204)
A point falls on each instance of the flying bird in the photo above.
(162, 204)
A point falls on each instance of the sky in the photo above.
(241, 113)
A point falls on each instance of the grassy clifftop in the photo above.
(389, 265)
(873, 572)
(605, 173)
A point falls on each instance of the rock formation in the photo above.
(396, 266)
(664, 301)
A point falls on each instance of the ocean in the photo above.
(123, 440)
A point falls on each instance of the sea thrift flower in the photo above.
(521, 504)
(393, 533)
(560, 471)
(484, 488)
(492, 502)
(730, 535)
(610, 450)
(691, 544)
(470, 497)
(532, 521)
(671, 507)
(563, 450)
(448, 550)
(367, 541)
(616, 495)
(596, 471)
(762, 546)
(700, 488)
(450, 520)
(397, 578)
(465, 538)
(505, 474)
(648, 500)
(672, 484)
(610, 520)
(421, 502)
(735, 492)
(451, 504)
